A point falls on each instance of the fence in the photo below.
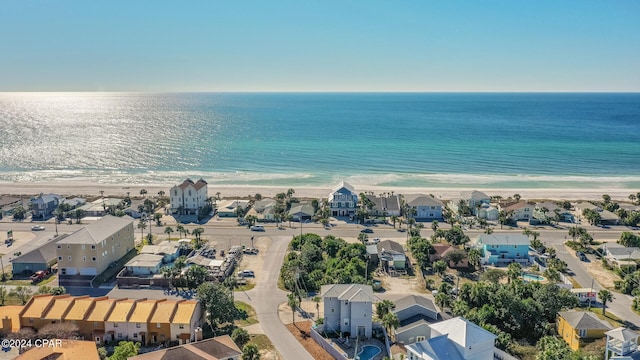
(327, 345)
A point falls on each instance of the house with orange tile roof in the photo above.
(33, 313)
(138, 322)
(116, 326)
(98, 318)
(185, 321)
(68, 350)
(159, 325)
(10, 316)
(79, 311)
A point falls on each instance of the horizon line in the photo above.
(316, 92)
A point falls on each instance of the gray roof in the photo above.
(413, 300)
(416, 200)
(621, 252)
(412, 324)
(549, 206)
(165, 247)
(351, 292)
(98, 231)
(586, 205)
(503, 239)
(390, 203)
(372, 249)
(463, 332)
(475, 194)
(582, 320)
(47, 198)
(389, 245)
(608, 215)
(44, 254)
(303, 208)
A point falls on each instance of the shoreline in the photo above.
(93, 188)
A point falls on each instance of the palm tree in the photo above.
(79, 215)
(161, 193)
(142, 225)
(390, 321)
(605, 296)
(168, 230)
(143, 192)
(514, 271)
(293, 302)
(517, 197)
(434, 225)
(180, 229)
(474, 257)
(394, 219)
(440, 267)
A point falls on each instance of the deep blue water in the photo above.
(395, 139)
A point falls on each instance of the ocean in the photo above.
(485, 140)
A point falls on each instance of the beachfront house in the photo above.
(92, 249)
(384, 205)
(189, 197)
(230, 208)
(488, 212)
(471, 199)
(415, 314)
(43, 206)
(425, 207)
(343, 200)
(520, 211)
(348, 309)
(502, 249)
(546, 212)
(302, 211)
(456, 339)
(578, 327)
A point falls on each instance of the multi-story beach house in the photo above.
(343, 200)
(415, 314)
(92, 249)
(426, 207)
(43, 206)
(385, 205)
(189, 197)
(348, 308)
(519, 211)
(473, 199)
(456, 339)
(503, 249)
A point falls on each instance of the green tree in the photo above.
(217, 304)
(383, 308)
(180, 230)
(440, 267)
(125, 350)
(102, 353)
(293, 301)
(455, 257)
(195, 276)
(250, 352)
(317, 299)
(79, 215)
(514, 270)
(142, 225)
(23, 293)
(391, 322)
(576, 231)
(552, 348)
(240, 336)
(605, 296)
(493, 275)
(168, 230)
(474, 257)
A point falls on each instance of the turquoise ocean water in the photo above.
(397, 140)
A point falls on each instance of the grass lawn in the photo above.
(265, 346)
(248, 314)
(246, 287)
(576, 285)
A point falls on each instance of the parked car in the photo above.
(250, 251)
(38, 276)
(366, 231)
(257, 228)
(581, 256)
(37, 228)
(246, 273)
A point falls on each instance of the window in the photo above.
(420, 338)
(84, 258)
(59, 258)
(181, 326)
(96, 324)
(93, 247)
(333, 310)
(115, 324)
(68, 246)
(583, 332)
(59, 246)
(432, 215)
(119, 335)
(365, 315)
(93, 258)
(137, 325)
(158, 325)
(189, 192)
(69, 258)
(31, 320)
(175, 192)
(135, 335)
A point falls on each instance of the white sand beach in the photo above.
(90, 188)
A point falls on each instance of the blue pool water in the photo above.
(368, 352)
(532, 277)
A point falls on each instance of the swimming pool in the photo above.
(532, 277)
(368, 352)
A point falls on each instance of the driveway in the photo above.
(265, 298)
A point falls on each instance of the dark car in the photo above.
(367, 231)
(581, 256)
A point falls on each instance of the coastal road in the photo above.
(265, 298)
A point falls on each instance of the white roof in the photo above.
(145, 260)
(165, 247)
(463, 332)
(622, 334)
(503, 239)
(351, 292)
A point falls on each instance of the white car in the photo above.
(37, 228)
(257, 228)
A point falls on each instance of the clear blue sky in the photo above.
(320, 45)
